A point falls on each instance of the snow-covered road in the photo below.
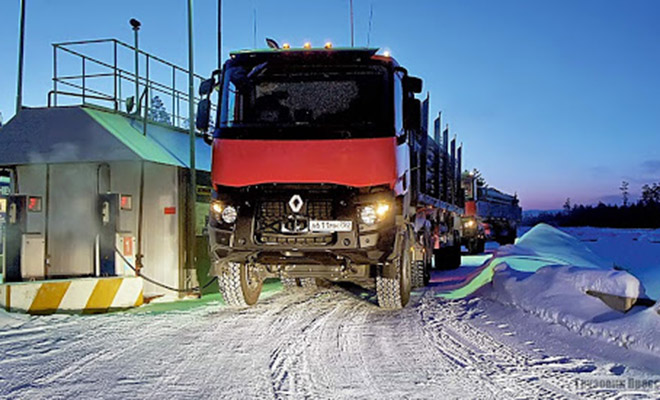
(328, 343)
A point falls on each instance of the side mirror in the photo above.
(413, 84)
(413, 121)
(206, 87)
(203, 117)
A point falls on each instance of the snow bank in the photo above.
(635, 250)
(552, 246)
(548, 273)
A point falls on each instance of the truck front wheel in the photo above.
(394, 293)
(240, 285)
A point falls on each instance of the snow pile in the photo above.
(545, 245)
(635, 250)
(548, 273)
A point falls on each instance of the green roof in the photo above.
(87, 134)
(131, 136)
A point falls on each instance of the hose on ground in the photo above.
(164, 286)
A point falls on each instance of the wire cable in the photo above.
(164, 286)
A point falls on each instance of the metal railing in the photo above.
(96, 79)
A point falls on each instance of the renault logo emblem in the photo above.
(296, 203)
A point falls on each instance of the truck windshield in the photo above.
(351, 99)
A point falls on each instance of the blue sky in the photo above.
(552, 99)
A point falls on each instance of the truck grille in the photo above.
(276, 224)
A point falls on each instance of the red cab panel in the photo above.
(470, 208)
(349, 162)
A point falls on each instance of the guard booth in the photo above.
(95, 185)
(92, 194)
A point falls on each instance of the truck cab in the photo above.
(311, 171)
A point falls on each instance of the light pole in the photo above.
(21, 44)
(192, 223)
(136, 27)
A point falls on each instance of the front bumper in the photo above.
(258, 237)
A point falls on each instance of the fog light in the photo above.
(216, 207)
(382, 209)
(229, 215)
(368, 215)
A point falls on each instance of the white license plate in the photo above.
(330, 226)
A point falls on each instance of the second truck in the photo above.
(490, 215)
(323, 169)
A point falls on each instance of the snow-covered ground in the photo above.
(502, 341)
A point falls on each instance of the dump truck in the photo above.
(490, 215)
(323, 170)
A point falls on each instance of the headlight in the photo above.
(368, 215)
(469, 224)
(220, 211)
(229, 215)
(371, 214)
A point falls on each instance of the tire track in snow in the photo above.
(514, 371)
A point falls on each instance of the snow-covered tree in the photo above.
(651, 194)
(158, 112)
(624, 192)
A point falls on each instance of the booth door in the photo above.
(72, 219)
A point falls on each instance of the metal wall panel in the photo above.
(161, 227)
(32, 181)
(73, 219)
(125, 180)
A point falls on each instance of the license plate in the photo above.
(330, 226)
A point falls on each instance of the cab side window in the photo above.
(398, 102)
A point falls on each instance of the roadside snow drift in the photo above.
(544, 245)
(548, 273)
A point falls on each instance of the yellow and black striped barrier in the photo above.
(79, 295)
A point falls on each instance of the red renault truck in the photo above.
(316, 167)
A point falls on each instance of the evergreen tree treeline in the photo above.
(643, 214)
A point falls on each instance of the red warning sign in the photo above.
(170, 210)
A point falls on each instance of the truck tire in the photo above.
(439, 258)
(394, 293)
(455, 256)
(419, 274)
(481, 246)
(476, 246)
(237, 285)
(472, 247)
